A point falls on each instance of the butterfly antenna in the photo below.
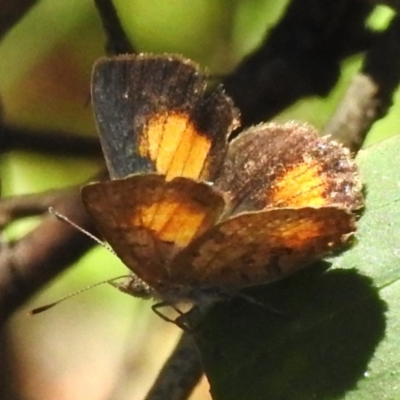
(39, 310)
(63, 218)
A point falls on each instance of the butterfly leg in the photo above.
(179, 321)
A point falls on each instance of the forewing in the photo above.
(288, 165)
(155, 114)
(146, 220)
(256, 248)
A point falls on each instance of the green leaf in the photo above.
(325, 333)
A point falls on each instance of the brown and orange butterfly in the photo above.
(191, 213)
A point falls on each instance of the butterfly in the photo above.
(190, 211)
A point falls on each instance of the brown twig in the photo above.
(117, 40)
(180, 374)
(370, 94)
(11, 12)
(16, 207)
(7, 382)
(44, 252)
(52, 142)
(355, 113)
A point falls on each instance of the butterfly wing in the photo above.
(155, 114)
(288, 165)
(291, 194)
(146, 219)
(260, 247)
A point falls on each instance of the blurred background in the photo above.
(103, 344)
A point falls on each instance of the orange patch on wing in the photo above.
(252, 248)
(296, 235)
(174, 144)
(172, 220)
(301, 186)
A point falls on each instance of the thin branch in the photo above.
(355, 113)
(52, 142)
(11, 12)
(117, 40)
(180, 374)
(16, 207)
(370, 94)
(43, 253)
(8, 389)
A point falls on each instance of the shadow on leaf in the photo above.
(316, 347)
